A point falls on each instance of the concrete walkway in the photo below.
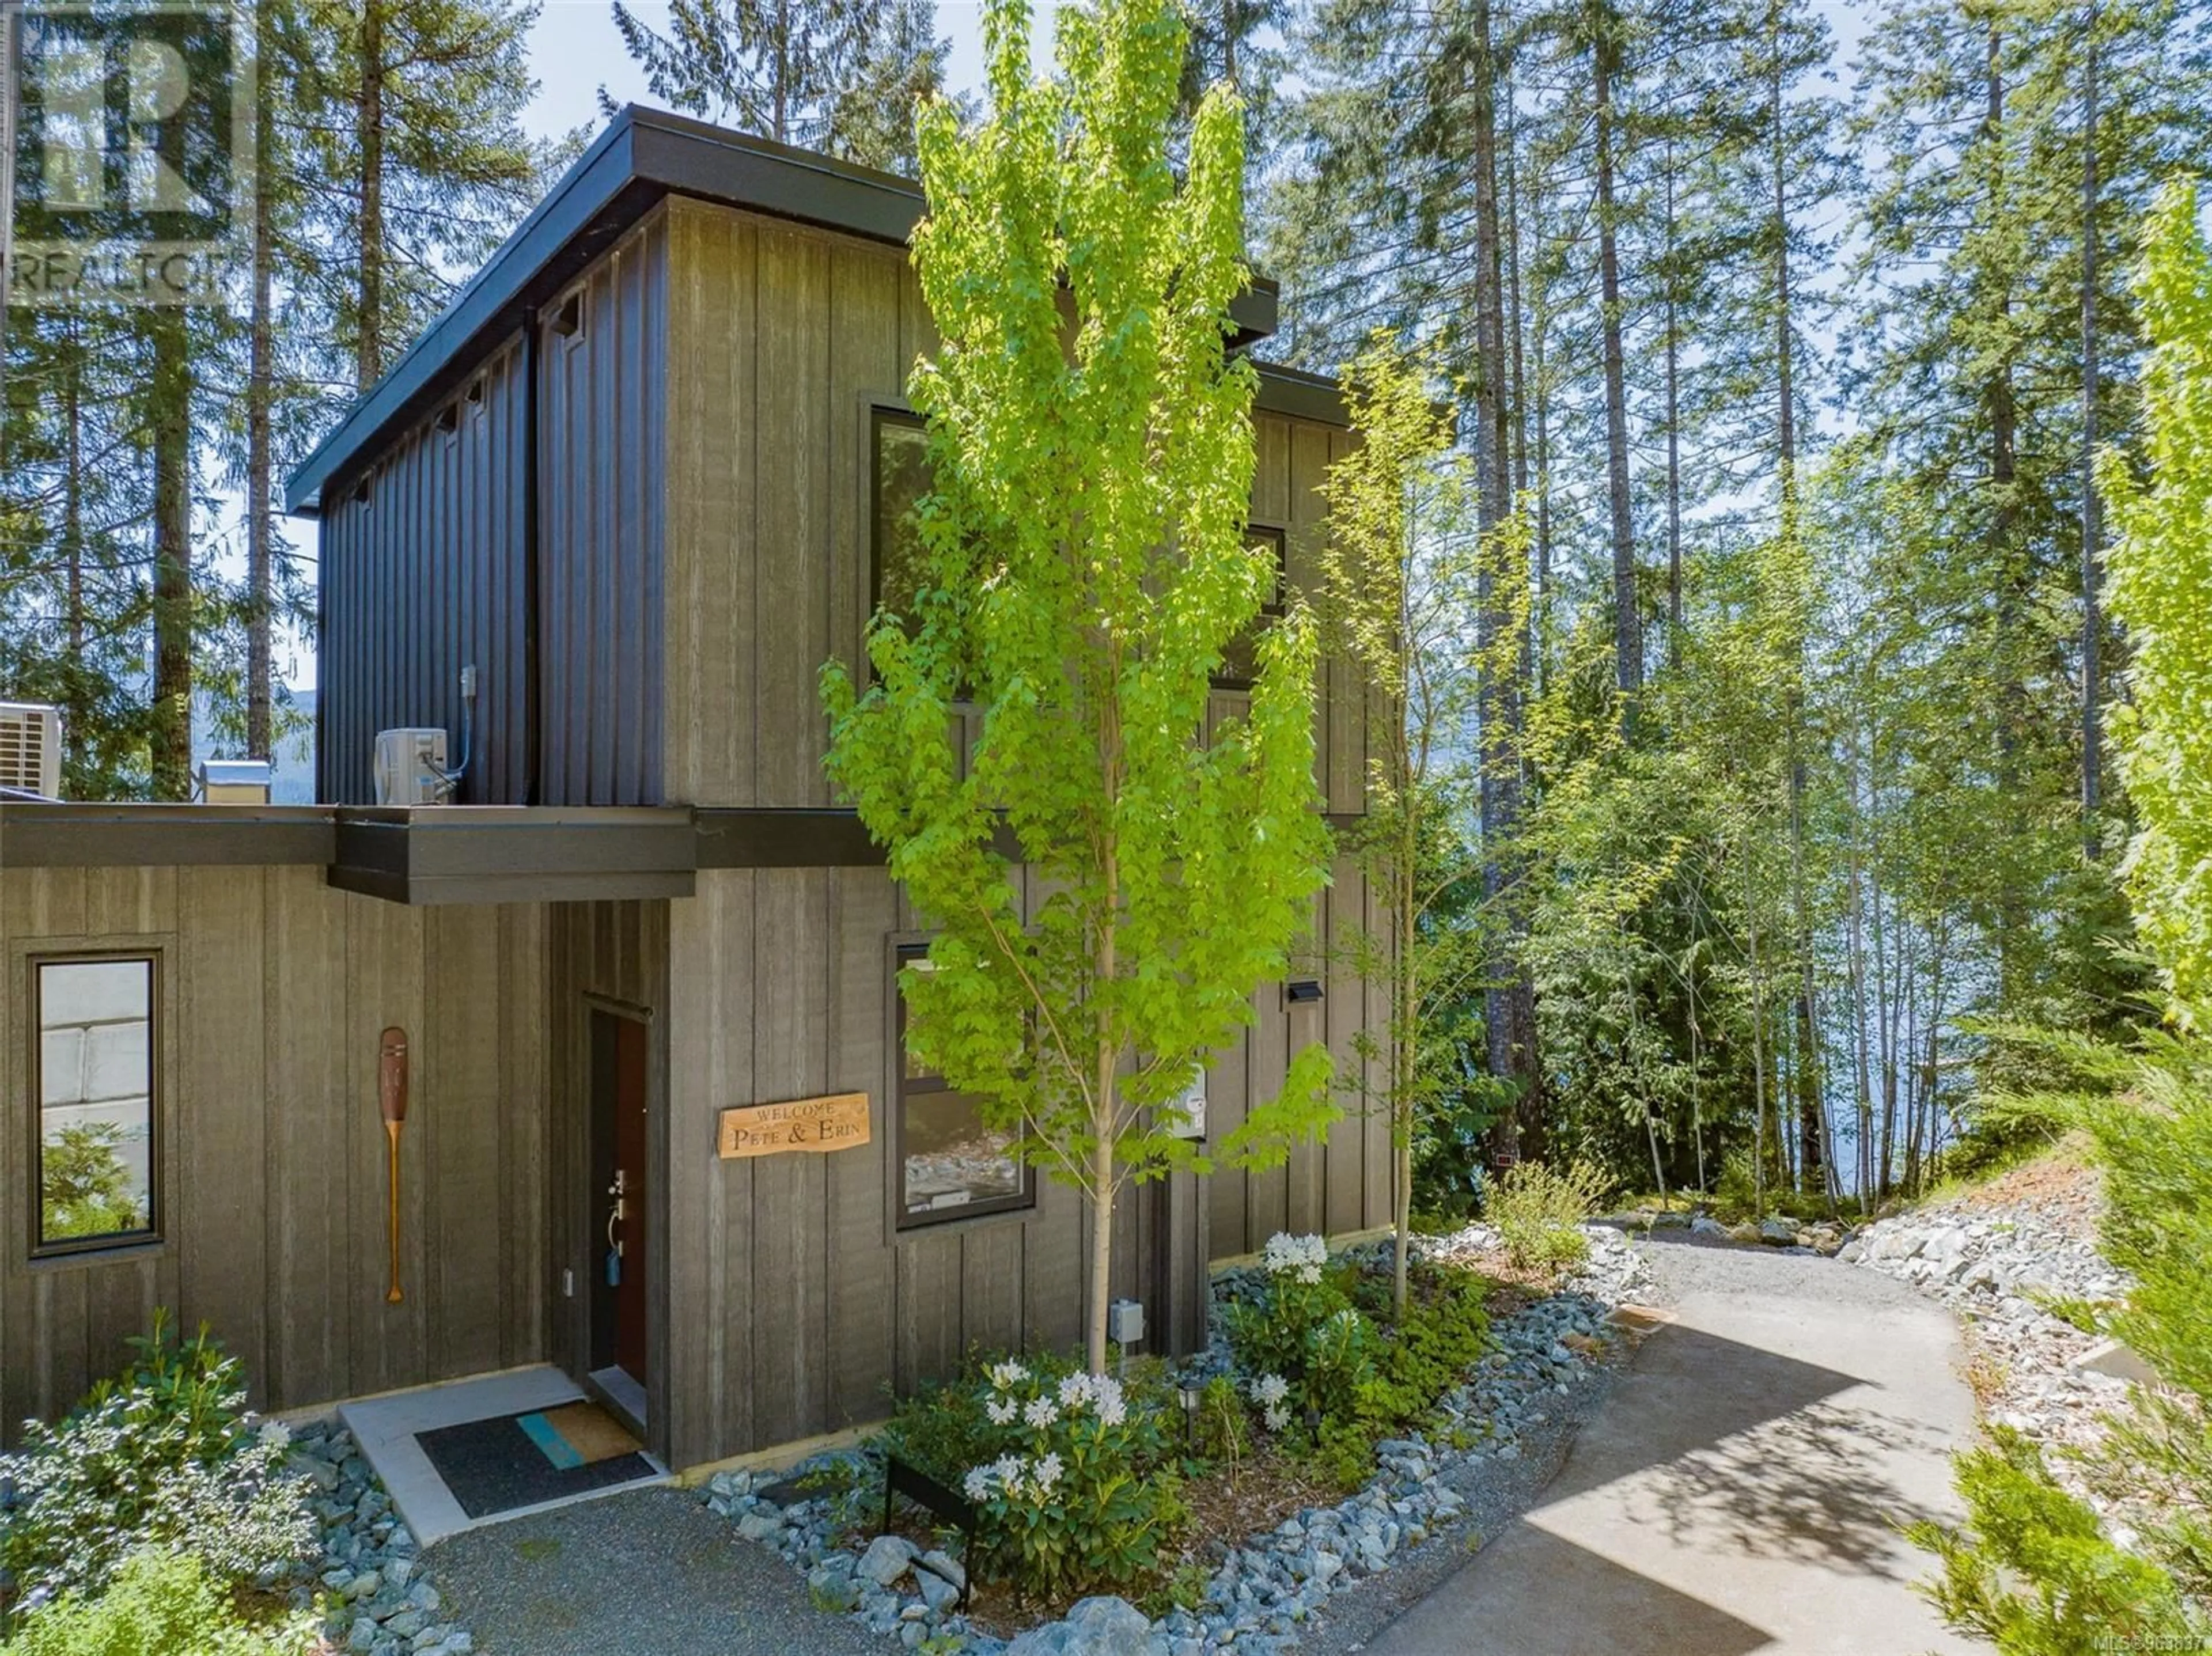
(1741, 1489)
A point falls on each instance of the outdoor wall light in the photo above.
(1301, 991)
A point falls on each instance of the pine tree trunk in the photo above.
(1674, 433)
(73, 733)
(368, 350)
(1509, 1005)
(259, 464)
(2093, 781)
(1628, 630)
(171, 406)
(2008, 561)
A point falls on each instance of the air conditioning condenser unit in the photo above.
(31, 748)
(410, 766)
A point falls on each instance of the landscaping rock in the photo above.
(1096, 1627)
(887, 1559)
(1778, 1229)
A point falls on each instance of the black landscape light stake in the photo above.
(1192, 1394)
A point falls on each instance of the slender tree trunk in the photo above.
(2008, 563)
(1856, 938)
(1514, 313)
(73, 524)
(369, 365)
(171, 406)
(1628, 629)
(1673, 430)
(1812, 1120)
(1404, 1056)
(1509, 1002)
(1107, 1123)
(2092, 621)
(1758, 1135)
(259, 462)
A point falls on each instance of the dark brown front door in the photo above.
(620, 1193)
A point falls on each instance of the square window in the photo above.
(950, 1164)
(95, 1091)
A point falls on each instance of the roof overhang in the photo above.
(644, 156)
(444, 854)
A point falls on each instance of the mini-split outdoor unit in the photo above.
(410, 766)
(31, 749)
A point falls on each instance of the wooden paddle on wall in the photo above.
(391, 1100)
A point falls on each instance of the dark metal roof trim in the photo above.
(61, 835)
(1301, 396)
(642, 156)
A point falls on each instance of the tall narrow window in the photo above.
(95, 1101)
(901, 468)
(1240, 661)
(950, 1164)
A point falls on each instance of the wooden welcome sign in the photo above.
(837, 1122)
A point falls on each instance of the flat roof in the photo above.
(644, 156)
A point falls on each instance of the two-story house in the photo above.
(639, 481)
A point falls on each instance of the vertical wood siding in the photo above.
(422, 577)
(274, 988)
(796, 1306)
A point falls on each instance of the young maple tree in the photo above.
(1405, 579)
(1085, 566)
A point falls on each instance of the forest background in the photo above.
(1780, 338)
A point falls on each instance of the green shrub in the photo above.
(162, 1454)
(159, 1603)
(2032, 1569)
(1304, 1345)
(1539, 1213)
(2034, 1575)
(1434, 1346)
(1075, 1482)
(1222, 1431)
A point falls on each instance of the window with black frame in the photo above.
(95, 1096)
(950, 1164)
(902, 472)
(1240, 662)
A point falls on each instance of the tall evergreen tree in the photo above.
(842, 76)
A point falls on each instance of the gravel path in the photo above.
(652, 1574)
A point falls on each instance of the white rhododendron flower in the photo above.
(1075, 1390)
(1003, 1411)
(275, 1434)
(1277, 1415)
(1047, 1473)
(1040, 1412)
(977, 1484)
(1008, 1374)
(1269, 1390)
(1299, 1257)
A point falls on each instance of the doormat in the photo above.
(578, 1433)
(497, 1466)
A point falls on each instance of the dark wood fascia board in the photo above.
(70, 835)
(492, 854)
(644, 156)
(730, 837)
